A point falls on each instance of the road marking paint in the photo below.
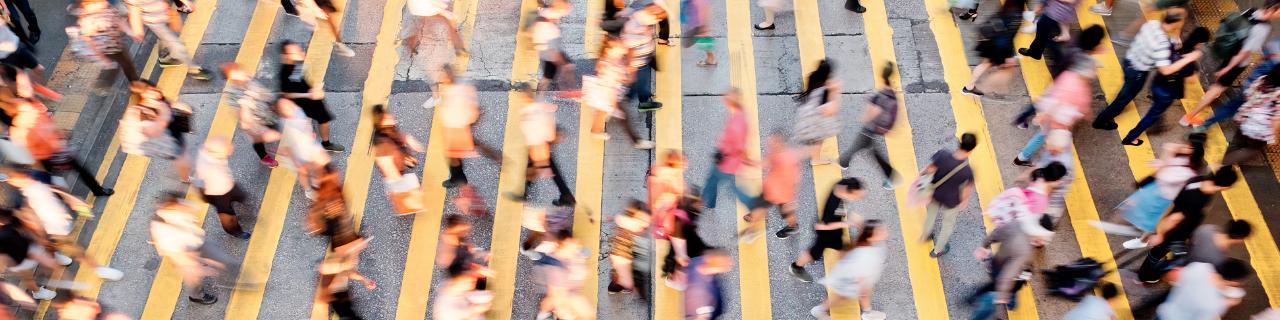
(415, 285)
(970, 118)
(668, 137)
(118, 209)
(926, 280)
(755, 294)
(1079, 201)
(506, 220)
(592, 32)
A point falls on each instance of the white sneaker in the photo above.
(643, 145)
(873, 315)
(109, 274)
(343, 50)
(672, 284)
(820, 312)
(43, 294)
(430, 103)
(1135, 243)
(600, 136)
(61, 259)
(1100, 9)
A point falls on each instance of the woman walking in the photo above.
(855, 276)
(818, 117)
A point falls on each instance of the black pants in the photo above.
(863, 141)
(125, 61)
(85, 176)
(1046, 30)
(664, 29)
(23, 6)
(1151, 268)
(288, 7)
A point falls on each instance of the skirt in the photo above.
(1144, 208)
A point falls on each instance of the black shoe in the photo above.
(564, 202)
(1135, 142)
(207, 299)
(517, 197)
(972, 92)
(201, 74)
(1105, 125)
(935, 253)
(785, 232)
(450, 184)
(244, 235)
(35, 35)
(801, 274)
(968, 16)
(332, 147)
(105, 192)
(649, 106)
(1021, 163)
(1024, 51)
(857, 7)
(770, 27)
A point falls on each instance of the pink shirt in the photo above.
(783, 177)
(1070, 99)
(732, 143)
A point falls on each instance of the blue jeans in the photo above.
(712, 188)
(1032, 146)
(642, 88)
(1162, 98)
(1134, 80)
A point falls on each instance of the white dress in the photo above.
(863, 264)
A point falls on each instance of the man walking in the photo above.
(953, 186)
(157, 16)
(1151, 49)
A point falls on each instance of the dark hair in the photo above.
(968, 142)
(378, 112)
(868, 229)
(1225, 177)
(1108, 290)
(1272, 79)
(1090, 37)
(635, 204)
(1239, 229)
(1052, 172)
(454, 220)
(887, 71)
(1197, 37)
(286, 44)
(1232, 269)
(1173, 17)
(816, 79)
(850, 183)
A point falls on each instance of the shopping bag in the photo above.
(406, 195)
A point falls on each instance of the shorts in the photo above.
(1229, 79)
(704, 43)
(222, 203)
(22, 58)
(826, 239)
(314, 109)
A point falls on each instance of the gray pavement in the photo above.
(293, 274)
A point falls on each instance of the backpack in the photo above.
(1231, 34)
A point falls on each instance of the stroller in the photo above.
(1075, 279)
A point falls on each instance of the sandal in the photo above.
(1135, 142)
(703, 63)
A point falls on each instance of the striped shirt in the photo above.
(153, 11)
(1150, 48)
(639, 37)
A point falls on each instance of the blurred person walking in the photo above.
(178, 237)
(556, 66)
(995, 46)
(257, 118)
(538, 124)
(160, 17)
(33, 130)
(856, 274)
(703, 299)
(730, 153)
(218, 186)
(459, 111)
(1018, 239)
(45, 214)
(1052, 28)
(101, 29)
(1259, 118)
(878, 118)
(832, 226)
(438, 12)
(602, 92)
(779, 190)
(22, 255)
(310, 11)
(1152, 49)
(629, 227)
(295, 87)
(818, 115)
(637, 33)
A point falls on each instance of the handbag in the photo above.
(406, 195)
(922, 189)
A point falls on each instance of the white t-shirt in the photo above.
(538, 123)
(1258, 34)
(458, 106)
(176, 236)
(214, 173)
(427, 8)
(48, 208)
(1091, 308)
(1195, 296)
(545, 36)
(1172, 178)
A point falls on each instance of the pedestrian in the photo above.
(638, 34)
(101, 28)
(33, 130)
(818, 115)
(15, 52)
(695, 17)
(1238, 55)
(1067, 100)
(44, 213)
(730, 153)
(878, 118)
(1165, 89)
(72, 306)
(855, 276)
(1204, 291)
(218, 186)
(456, 252)
(328, 216)
(538, 124)
(1259, 117)
(299, 147)
(159, 113)
(1018, 240)
(703, 299)
(459, 112)
(832, 226)
(995, 46)
(295, 87)
(159, 16)
(1095, 307)
(545, 35)
(771, 9)
(779, 190)
(603, 91)
(178, 237)
(395, 154)
(337, 270)
(951, 191)
(1029, 197)
(628, 228)
(614, 17)
(312, 10)
(1151, 49)
(1178, 225)
(1155, 194)
(23, 8)
(1053, 27)
(462, 297)
(680, 227)
(1270, 58)
(257, 118)
(22, 254)
(563, 270)
(1058, 151)
(428, 12)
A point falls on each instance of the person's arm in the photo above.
(1008, 276)
(135, 22)
(966, 193)
(1162, 228)
(1178, 65)
(870, 113)
(1235, 61)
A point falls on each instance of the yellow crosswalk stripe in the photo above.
(752, 274)
(116, 213)
(506, 220)
(970, 117)
(668, 137)
(592, 33)
(589, 183)
(1079, 199)
(165, 288)
(1263, 253)
(813, 50)
(415, 285)
(926, 280)
(1111, 78)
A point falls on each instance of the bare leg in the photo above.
(978, 71)
(323, 129)
(768, 18)
(804, 258)
(1209, 96)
